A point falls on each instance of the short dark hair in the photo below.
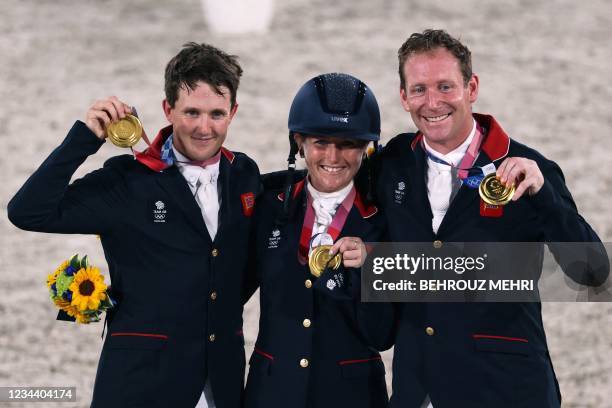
(430, 40)
(202, 62)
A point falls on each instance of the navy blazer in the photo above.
(476, 354)
(179, 315)
(316, 345)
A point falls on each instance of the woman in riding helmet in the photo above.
(317, 343)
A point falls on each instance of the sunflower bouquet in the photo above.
(78, 289)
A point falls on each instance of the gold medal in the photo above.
(319, 259)
(126, 132)
(493, 192)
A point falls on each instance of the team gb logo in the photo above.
(159, 213)
(274, 239)
(331, 284)
(400, 192)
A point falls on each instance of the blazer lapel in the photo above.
(354, 225)
(419, 202)
(225, 193)
(175, 185)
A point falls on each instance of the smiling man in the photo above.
(469, 354)
(174, 224)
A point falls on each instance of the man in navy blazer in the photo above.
(174, 224)
(469, 354)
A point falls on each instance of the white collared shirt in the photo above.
(192, 175)
(325, 206)
(440, 178)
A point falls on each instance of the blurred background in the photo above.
(544, 70)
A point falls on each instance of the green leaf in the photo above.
(106, 303)
(63, 283)
(75, 263)
(84, 262)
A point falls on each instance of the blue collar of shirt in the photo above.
(167, 155)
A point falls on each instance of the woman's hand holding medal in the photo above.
(352, 249)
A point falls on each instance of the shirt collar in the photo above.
(337, 196)
(191, 172)
(343, 192)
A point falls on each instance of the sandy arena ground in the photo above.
(544, 71)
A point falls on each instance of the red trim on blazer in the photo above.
(157, 336)
(297, 189)
(366, 210)
(228, 155)
(263, 353)
(365, 360)
(416, 141)
(488, 336)
(496, 143)
(151, 156)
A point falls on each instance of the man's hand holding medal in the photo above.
(523, 172)
(514, 177)
(116, 120)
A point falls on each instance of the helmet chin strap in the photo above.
(370, 166)
(293, 149)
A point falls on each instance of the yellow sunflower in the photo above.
(81, 318)
(87, 289)
(52, 277)
(66, 306)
